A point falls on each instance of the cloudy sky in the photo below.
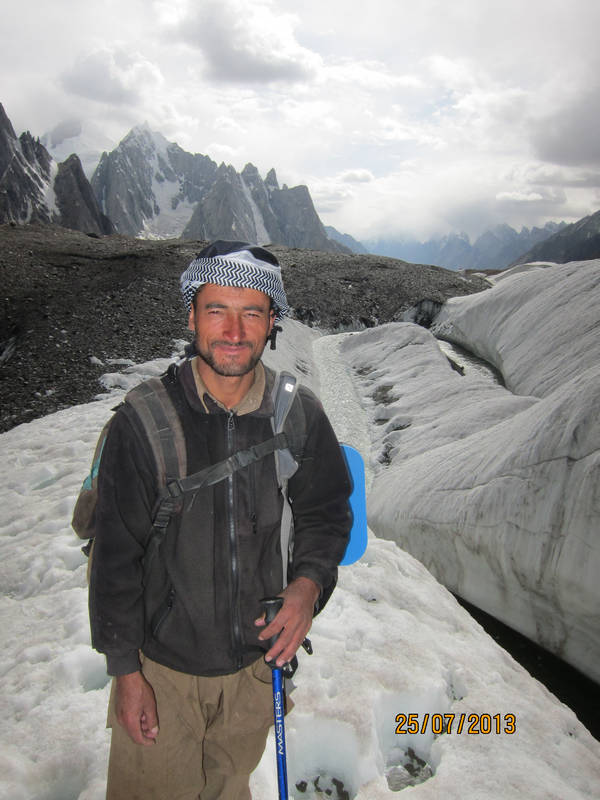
(402, 117)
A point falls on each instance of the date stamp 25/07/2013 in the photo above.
(479, 724)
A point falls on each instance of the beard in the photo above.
(228, 366)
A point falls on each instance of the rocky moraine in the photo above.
(71, 301)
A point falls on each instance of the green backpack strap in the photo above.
(155, 410)
(151, 407)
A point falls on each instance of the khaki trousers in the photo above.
(212, 734)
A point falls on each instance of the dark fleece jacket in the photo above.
(193, 607)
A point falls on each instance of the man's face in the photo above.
(231, 326)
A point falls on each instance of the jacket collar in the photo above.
(256, 400)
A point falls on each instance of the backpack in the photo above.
(150, 404)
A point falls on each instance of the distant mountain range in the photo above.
(148, 187)
(495, 249)
(577, 242)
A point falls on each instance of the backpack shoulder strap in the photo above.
(162, 426)
(288, 416)
(283, 393)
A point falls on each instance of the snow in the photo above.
(49, 193)
(392, 640)
(262, 235)
(170, 222)
(496, 491)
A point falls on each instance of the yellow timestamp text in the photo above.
(479, 724)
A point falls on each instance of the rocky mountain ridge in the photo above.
(577, 242)
(344, 238)
(34, 188)
(152, 188)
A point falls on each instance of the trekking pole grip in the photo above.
(271, 606)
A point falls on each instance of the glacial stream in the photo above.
(339, 397)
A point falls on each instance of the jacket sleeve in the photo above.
(318, 494)
(126, 492)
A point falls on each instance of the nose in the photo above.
(234, 327)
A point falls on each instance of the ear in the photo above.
(192, 319)
(271, 321)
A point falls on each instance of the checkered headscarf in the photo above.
(236, 264)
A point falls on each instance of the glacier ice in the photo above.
(496, 489)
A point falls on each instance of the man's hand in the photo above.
(136, 708)
(292, 621)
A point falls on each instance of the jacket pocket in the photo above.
(162, 613)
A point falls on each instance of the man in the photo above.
(182, 631)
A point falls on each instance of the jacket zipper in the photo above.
(252, 505)
(235, 588)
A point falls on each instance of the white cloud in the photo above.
(371, 75)
(113, 76)
(170, 12)
(356, 176)
(569, 134)
(453, 73)
(329, 197)
(246, 42)
(543, 174)
(519, 197)
(224, 153)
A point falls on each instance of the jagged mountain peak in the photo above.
(271, 181)
(34, 188)
(144, 137)
(26, 191)
(5, 124)
(151, 187)
(226, 170)
(504, 229)
(250, 169)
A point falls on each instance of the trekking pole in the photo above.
(272, 606)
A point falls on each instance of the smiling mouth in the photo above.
(233, 346)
